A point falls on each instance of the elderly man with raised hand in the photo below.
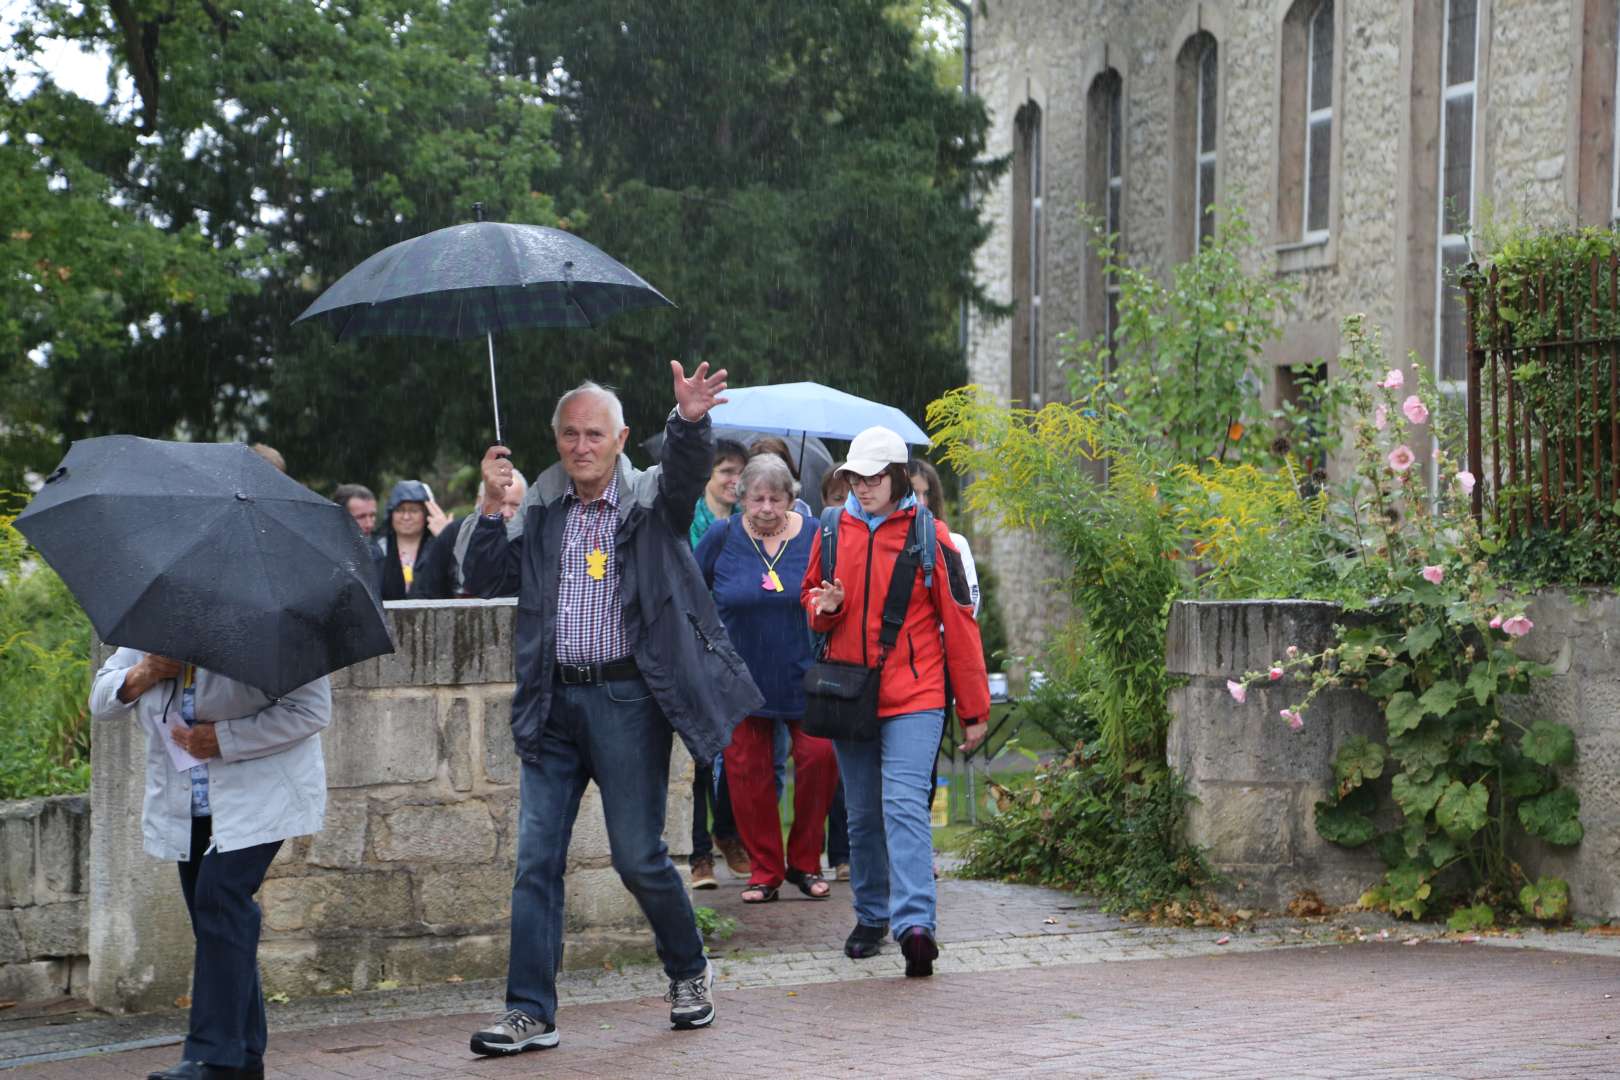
(618, 648)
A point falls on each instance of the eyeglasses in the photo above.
(408, 509)
(866, 481)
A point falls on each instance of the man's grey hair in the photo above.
(517, 479)
(767, 471)
(346, 492)
(615, 406)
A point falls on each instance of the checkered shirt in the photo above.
(590, 620)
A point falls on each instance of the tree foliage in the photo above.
(794, 176)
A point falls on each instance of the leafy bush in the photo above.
(44, 677)
(1437, 652)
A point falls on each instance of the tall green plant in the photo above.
(44, 676)
(1437, 653)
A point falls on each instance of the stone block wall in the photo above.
(44, 871)
(1256, 782)
(411, 879)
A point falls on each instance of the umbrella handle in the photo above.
(494, 394)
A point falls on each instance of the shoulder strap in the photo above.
(830, 516)
(924, 542)
(917, 552)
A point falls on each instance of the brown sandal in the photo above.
(807, 883)
(766, 893)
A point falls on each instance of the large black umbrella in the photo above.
(480, 279)
(206, 553)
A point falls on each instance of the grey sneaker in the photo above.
(690, 1004)
(515, 1032)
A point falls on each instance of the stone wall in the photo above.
(411, 879)
(1256, 783)
(44, 871)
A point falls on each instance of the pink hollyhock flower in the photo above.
(1275, 673)
(1239, 692)
(1415, 410)
(1394, 380)
(1434, 575)
(1465, 480)
(1517, 626)
(1401, 458)
(1380, 417)
(1295, 721)
(1496, 622)
(1293, 651)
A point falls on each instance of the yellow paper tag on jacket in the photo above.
(596, 564)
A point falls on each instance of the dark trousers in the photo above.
(706, 793)
(227, 1004)
(615, 734)
(838, 828)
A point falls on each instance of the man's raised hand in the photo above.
(497, 473)
(694, 397)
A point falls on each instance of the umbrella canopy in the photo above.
(206, 553)
(481, 278)
(809, 408)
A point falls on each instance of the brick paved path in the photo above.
(1374, 1010)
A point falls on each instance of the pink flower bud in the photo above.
(1380, 416)
(1496, 622)
(1434, 575)
(1239, 692)
(1465, 481)
(1293, 651)
(1394, 380)
(1415, 410)
(1295, 720)
(1275, 673)
(1401, 458)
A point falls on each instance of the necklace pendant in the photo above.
(775, 582)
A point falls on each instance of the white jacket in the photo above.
(269, 782)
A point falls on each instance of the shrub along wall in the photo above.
(1256, 782)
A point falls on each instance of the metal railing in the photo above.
(1544, 395)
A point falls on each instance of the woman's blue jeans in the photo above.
(891, 842)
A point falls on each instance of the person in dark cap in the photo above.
(404, 541)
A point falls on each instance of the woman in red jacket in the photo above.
(886, 780)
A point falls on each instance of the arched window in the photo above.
(1196, 124)
(1318, 148)
(1027, 376)
(1105, 186)
(1455, 209)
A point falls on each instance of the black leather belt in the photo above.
(596, 674)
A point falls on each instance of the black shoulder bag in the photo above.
(841, 699)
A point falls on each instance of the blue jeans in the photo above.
(891, 843)
(616, 735)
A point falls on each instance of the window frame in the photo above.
(1114, 199)
(1315, 117)
(1208, 57)
(1445, 241)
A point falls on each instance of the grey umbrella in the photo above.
(480, 279)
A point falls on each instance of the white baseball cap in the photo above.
(874, 450)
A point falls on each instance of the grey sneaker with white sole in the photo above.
(515, 1032)
(690, 1000)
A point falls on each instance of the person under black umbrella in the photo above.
(403, 544)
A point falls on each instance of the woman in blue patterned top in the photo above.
(751, 562)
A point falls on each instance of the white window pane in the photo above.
(1319, 154)
(1461, 16)
(1035, 248)
(1457, 174)
(1116, 123)
(1207, 99)
(1453, 360)
(1322, 56)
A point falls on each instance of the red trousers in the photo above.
(751, 775)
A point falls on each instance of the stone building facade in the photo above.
(1365, 140)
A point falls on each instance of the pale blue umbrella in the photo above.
(809, 408)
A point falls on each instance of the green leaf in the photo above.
(1479, 752)
(1423, 749)
(1549, 743)
(1545, 898)
(1461, 810)
(1358, 760)
(1466, 919)
(1555, 816)
(1408, 890)
(1403, 713)
(1522, 778)
(1482, 681)
(1440, 698)
(1389, 680)
(1441, 848)
(1420, 639)
(1341, 825)
(1489, 546)
(1416, 798)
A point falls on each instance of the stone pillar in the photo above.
(1255, 783)
(44, 855)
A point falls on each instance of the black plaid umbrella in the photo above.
(480, 279)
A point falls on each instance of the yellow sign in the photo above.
(596, 564)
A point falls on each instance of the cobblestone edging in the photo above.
(44, 853)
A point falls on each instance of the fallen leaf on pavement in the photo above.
(1050, 921)
(1412, 941)
(278, 999)
(454, 978)
(1222, 940)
